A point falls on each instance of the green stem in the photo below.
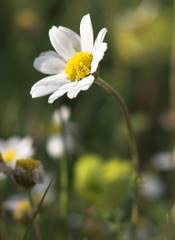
(3, 222)
(171, 115)
(172, 68)
(64, 165)
(64, 188)
(26, 234)
(36, 226)
(169, 226)
(132, 140)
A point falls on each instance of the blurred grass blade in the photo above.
(26, 234)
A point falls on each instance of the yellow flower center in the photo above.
(56, 128)
(9, 156)
(22, 209)
(79, 66)
(27, 164)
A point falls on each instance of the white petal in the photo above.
(25, 148)
(65, 113)
(99, 39)
(49, 63)
(62, 43)
(2, 145)
(75, 38)
(48, 85)
(82, 85)
(55, 146)
(86, 82)
(73, 93)
(98, 50)
(61, 91)
(86, 33)
(98, 56)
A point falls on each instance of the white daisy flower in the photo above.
(152, 187)
(19, 205)
(62, 131)
(73, 65)
(164, 161)
(16, 148)
(55, 146)
(61, 115)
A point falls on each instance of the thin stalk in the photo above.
(132, 141)
(3, 222)
(64, 195)
(36, 226)
(26, 234)
(171, 115)
(169, 227)
(172, 70)
(64, 164)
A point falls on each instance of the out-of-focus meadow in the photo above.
(140, 65)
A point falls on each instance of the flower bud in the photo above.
(28, 172)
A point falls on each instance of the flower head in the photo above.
(74, 63)
(20, 207)
(62, 131)
(116, 169)
(164, 161)
(152, 188)
(28, 172)
(13, 149)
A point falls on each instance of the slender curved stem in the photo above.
(132, 140)
(36, 226)
(26, 234)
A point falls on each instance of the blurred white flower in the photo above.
(16, 148)
(2, 176)
(151, 187)
(61, 115)
(20, 207)
(55, 146)
(74, 63)
(164, 161)
(61, 139)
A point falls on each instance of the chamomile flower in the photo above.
(19, 206)
(55, 146)
(152, 188)
(73, 65)
(62, 129)
(61, 115)
(164, 161)
(15, 148)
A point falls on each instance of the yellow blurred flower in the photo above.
(103, 183)
(115, 169)
(88, 178)
(23, 208)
